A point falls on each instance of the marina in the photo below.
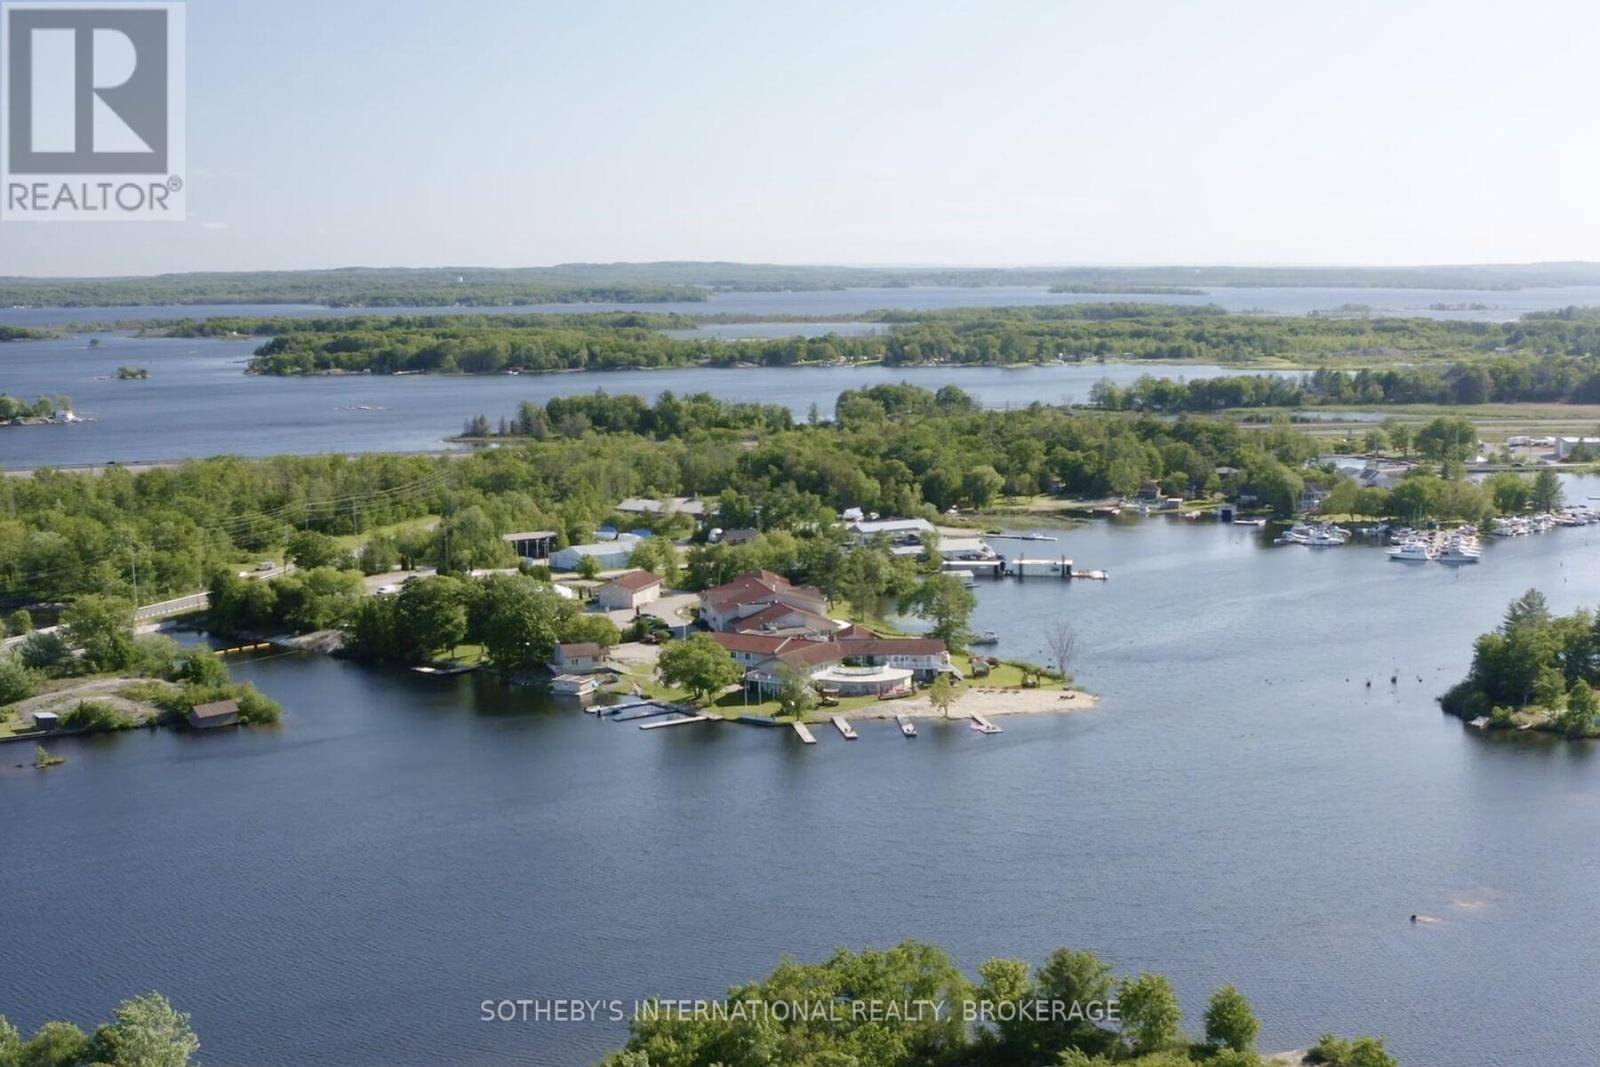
(484, 763)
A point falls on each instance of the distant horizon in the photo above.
(884, 265)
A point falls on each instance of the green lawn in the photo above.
(1005, 676)
(462, 655)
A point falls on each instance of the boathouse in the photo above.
(215, 714)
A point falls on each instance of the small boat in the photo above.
(907, 727)
(987, 637)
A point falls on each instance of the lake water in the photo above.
(1242, 807)
(1496, 305)
(199, 402)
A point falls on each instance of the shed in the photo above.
(217, 713)
(46, 720)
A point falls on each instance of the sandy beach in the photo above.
(987, 702)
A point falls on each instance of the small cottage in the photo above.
(582, 657)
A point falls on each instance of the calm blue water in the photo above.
(1280, 300)
(1241, 808)
(199, 402)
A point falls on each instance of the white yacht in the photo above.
(1411, 552)
(1461, 549)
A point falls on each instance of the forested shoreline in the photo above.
(1495, 380)
(895, 449)
(354, 287)
(961, 336)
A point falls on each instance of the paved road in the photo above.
(160, 609)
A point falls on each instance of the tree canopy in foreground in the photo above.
(911, 1006)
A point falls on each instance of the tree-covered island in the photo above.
(1537, 670)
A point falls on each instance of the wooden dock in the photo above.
(907, 727)
(844, 728)
(805, 734)
(984, 726)
(659, 723)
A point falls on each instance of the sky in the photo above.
(326, 133)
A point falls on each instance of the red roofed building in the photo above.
(762, 655)
(724, 607)
(629, 590)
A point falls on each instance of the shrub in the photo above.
(46, 652)
(97, 716)
(16, 681)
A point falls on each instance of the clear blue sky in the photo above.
(496, 132)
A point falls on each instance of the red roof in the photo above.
(579, 650)
(771, 616)
(758, 644)
(743, 589)
(635, 580)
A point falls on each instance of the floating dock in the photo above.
(844, 728)
(684, 721)
(805, 734)
(447, 672)
(907, 727)
(984, 726)
(646, 710)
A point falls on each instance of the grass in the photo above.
(353, 542)
(463, 655)
(1005, 676)
(13, 725)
